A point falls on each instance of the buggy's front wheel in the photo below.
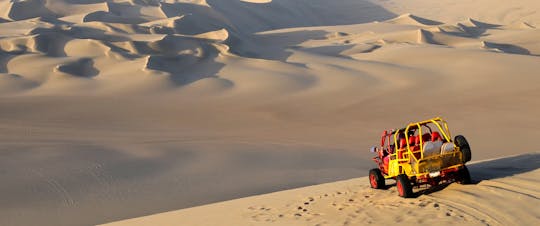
(376, 179)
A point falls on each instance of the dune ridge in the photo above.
(410, 19)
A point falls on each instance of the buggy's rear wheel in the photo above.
(464, 147)
(376, 179)
(404, 186)
(464, 177)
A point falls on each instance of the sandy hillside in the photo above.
(111, 110)
(501, 195)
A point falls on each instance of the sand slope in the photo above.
(108, 104)
(505, 193)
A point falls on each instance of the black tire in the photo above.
(404, 186)
(464, 177)
(464, 147)
(376, 179)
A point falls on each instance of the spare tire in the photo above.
(464, 147)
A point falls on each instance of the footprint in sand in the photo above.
(262, 214)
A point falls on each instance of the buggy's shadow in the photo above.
(492, 169)
(504, 167)
(423, 190)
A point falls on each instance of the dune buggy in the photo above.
(422, 153)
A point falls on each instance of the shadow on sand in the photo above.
(504, 167)
(495, 169)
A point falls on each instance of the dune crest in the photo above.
(410, 19)
(479, 24)
(219, 35)
(521, 25)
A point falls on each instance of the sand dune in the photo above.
(164, 105)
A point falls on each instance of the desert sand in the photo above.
(501, 195)
(111, 110)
